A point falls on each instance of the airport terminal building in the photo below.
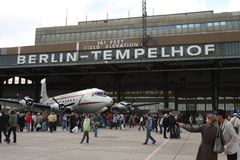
(191, 61)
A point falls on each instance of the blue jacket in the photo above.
(149, 123)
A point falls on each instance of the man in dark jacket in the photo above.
(73, 122)
(165, 125)
(21, 122)
(3, 125)
(172, 123)
(13, 123)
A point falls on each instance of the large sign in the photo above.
(110, 55)
(110, 44)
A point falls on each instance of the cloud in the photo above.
(233, 5)
(19, 19)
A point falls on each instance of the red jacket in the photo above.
(28, 118)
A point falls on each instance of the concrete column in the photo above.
(119, 89)
(118, 79)
(165, 92)
(1, 91)
(176, 98)
(37, 89)
(215, 89)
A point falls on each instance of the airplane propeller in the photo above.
(28, 102)
(129, 106)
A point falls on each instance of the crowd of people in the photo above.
(168, 125)
(40, 122)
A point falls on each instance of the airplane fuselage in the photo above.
(85, 101)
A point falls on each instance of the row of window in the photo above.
(66, 101)
(193, 107)
(17, 80)
(138, 31)
(208, 107)
(156, 92)
(101, 94)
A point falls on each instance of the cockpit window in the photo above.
(102, 94)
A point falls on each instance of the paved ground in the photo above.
(111, 144)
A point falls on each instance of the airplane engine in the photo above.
(27, 103)
(58, 106)
(121, 107)
(61, 107)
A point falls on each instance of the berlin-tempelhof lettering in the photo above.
(119, 54)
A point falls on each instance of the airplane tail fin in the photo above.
(44, 96)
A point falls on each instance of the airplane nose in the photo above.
(110, 101)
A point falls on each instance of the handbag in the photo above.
(219, 142)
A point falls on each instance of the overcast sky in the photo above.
(20, 18)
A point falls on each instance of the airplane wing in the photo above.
(142, 104)
(129, 107)
(9, 102)
(23, 104)
(41, 106)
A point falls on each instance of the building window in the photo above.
(222, 23)
(179, 26)
(184, 26)
(23, 81)
(216, 23)
(210, 24)
(10, 81)
(168, 27)
(197, 25)
(190, 25)
(203, 24)
(16, 80)
(29, 82)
